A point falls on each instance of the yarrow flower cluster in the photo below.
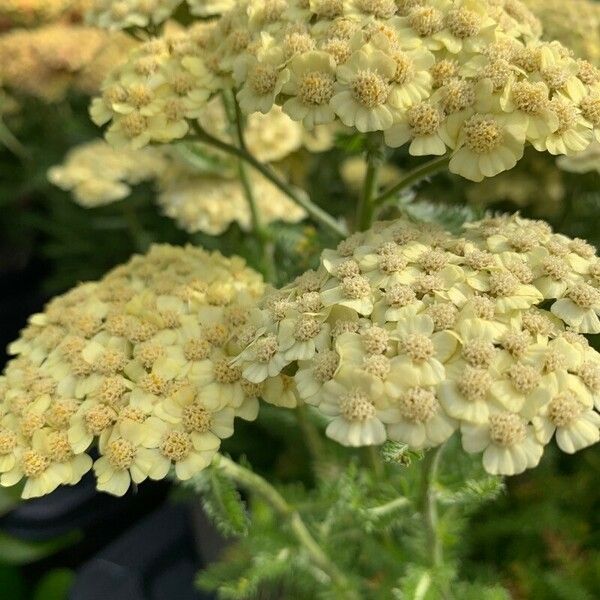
(48, 61)
(97, 174)
(575, 23)
(31, 12)
(467, 77)
(137, 365)
(409, 333)
(125, 14)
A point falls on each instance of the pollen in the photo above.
(382, 9)
(474, 384)
(326, 365)
(262, 79)
(356, 287)
(443, 72)
(225, 372)
(339, 48)
(196, 418)
(60, 412)
(555, 76)
(377, 365)
(582, 248)
(564, 409)
(197, 349)
(516, 343)
(375, 340)
(110, 362)
(356, 406)
(425, 284)
(370, 89)
(555, 268)
(216, 334)
(405, 69)
(99, 418)
(328, 9)
(266, 348)
(316, 88)
(400, 295)
(8, 441)
(479, 353)
(176, 445)
(433, 260)
(463, 23)
(310, 302)
(479, 259)
(59, 448)
(34, 463)
(134, 124)
(418, 347)
(31, 423)
(507, 429)
(482, 134)
(424, 119)
(503, 284)
(443, 315)
(306, 328)
(418, 405)
(392, 263)
(425, 20)
(252, 390)
(566, 112)
(458, 94)
(590, 375)
(348, 268)
(524, 377)
(531, 98)
(344, 326)
(498, 71)
(584, 295)
(120, 454)
(139, 95)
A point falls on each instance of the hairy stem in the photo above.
(389, 507)
(318, 214)
(366, 207)
(429, 504)
(312, 438)
(412, 177)
(255, 483)
(260, 231)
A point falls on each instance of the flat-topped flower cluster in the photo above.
(409, 333)
(470, 78)
(137, 366)
(126, 14)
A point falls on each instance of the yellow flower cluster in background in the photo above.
(409, 333)
(32, 12)
(575, 23)
(97, 174)
(469, 77)
(125, 14)
(48, 61)
(137, 364)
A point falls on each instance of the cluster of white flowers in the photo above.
(409, 333)
(32, 12)
(125, 14)
(466, 77)
(98, 174)
(137, 365)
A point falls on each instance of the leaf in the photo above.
(223, 504)
(401, 454)
(14, 551)
(55, 585)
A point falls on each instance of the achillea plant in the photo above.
(411, 369)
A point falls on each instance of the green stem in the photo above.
(8, 138)
(373, 459)
(260, 231)
(366, 207)
(429, 504)
(255, 483)
(312, 439)
(389, 507)
(315, 212)
(412, 177)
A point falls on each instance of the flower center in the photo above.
(356, 406)
(507, 429)
(424, 119)
(326, 365)
(34, 463)
(370, 89)
(474, 384)
(176, 445)
(418, 405)
(418, 347)
(316, 88)
(482, 134)
(120, 454)
(262, 79)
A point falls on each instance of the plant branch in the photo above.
(315, 212)
(414, 176)
(388, 507)
(429, 504)
(260, 231)
(366, 206)
(255, 483)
